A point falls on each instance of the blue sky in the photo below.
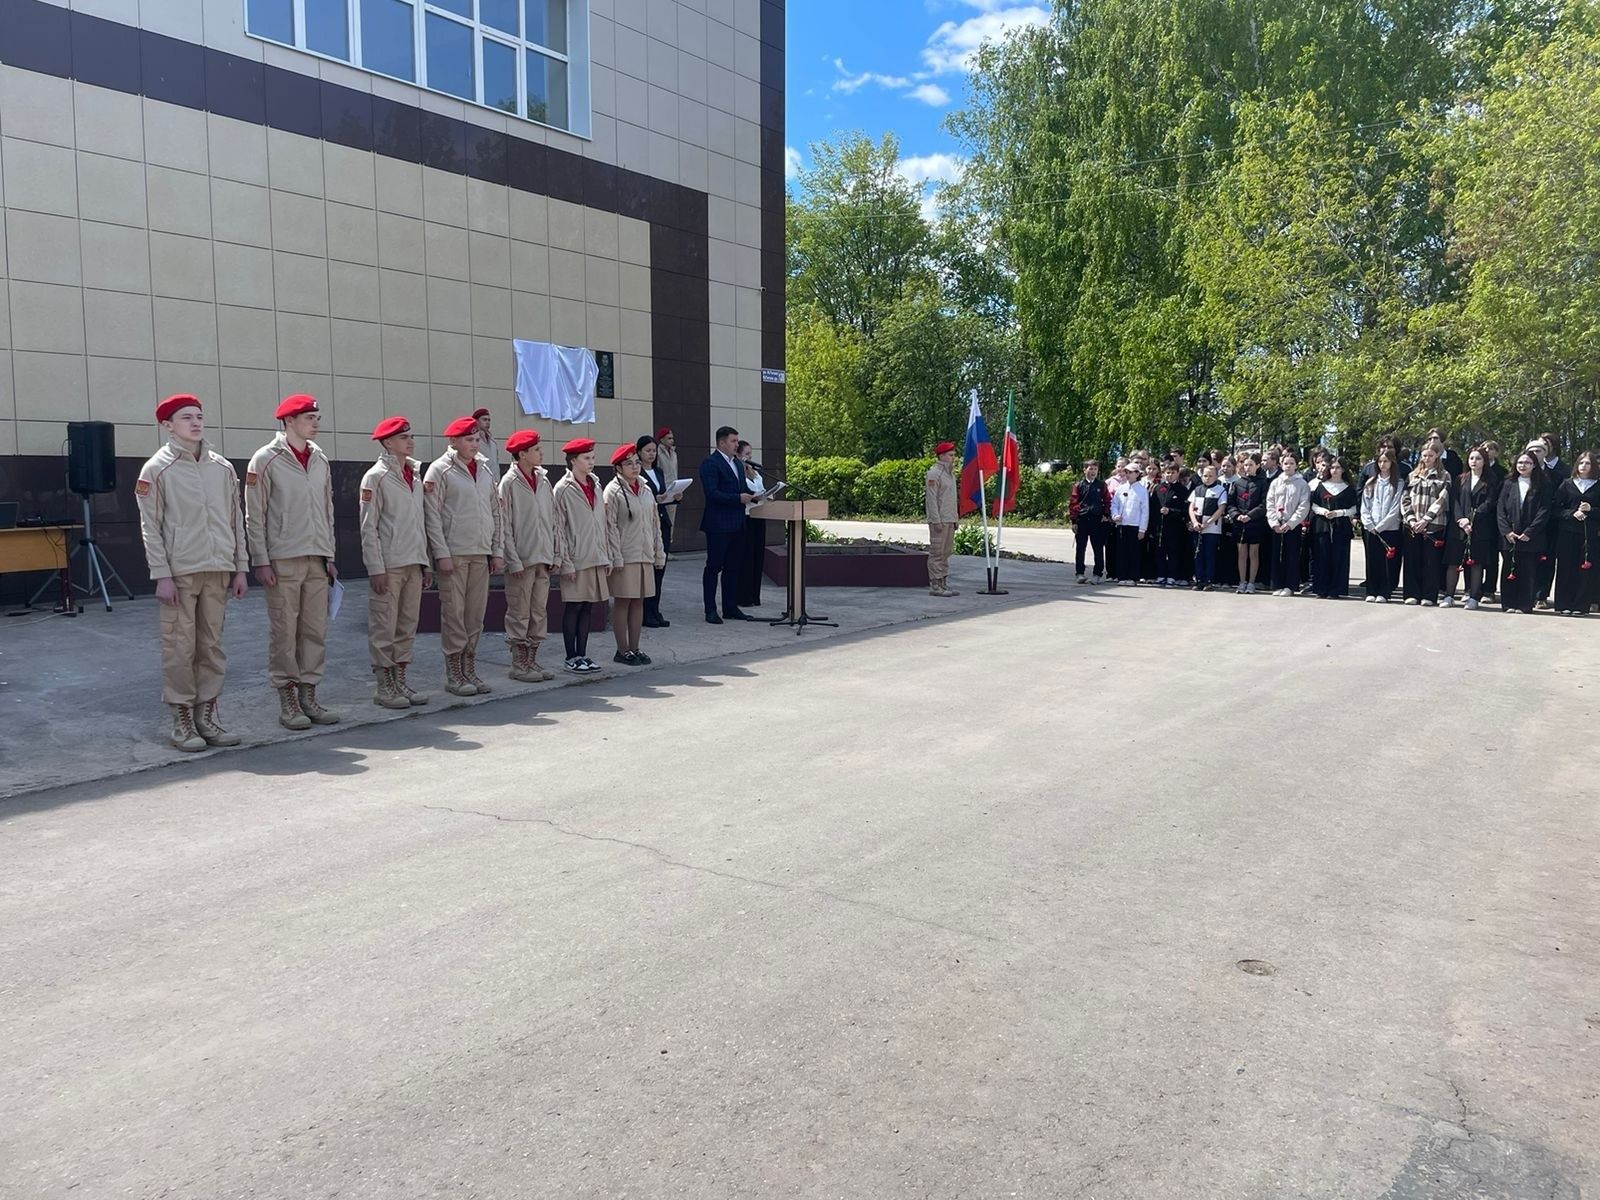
(890, 65)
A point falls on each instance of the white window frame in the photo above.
(575, 56)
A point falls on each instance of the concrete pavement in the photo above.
(950, 909)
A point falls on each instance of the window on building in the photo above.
(511, 55)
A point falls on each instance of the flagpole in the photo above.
(983, 515)
(1005, 444)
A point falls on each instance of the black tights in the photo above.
(575, 628)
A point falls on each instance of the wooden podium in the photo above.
(794, 514)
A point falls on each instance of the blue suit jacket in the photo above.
(723, 486)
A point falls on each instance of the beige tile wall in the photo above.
(192, 252)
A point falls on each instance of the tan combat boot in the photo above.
(309, 706)
(519, 664)
(208, 727)
(184, 735)
(387, 695)
(289, 714)
(403, 688)
(539, 674)
(455, 679)
(469, 668)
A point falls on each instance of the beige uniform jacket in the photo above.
(288, 509)
(940, 499)
(580, 530)
(393, 529)
(633, 531)
(463, 513)
(667, 460)
(529, 515)
(190, 515)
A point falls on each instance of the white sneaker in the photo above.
(1447, 602)
(1471, 603)
(1413, 600)
(1371, 599)
(1080, 580)
(1429, 604)
(1383, 599)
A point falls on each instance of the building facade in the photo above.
(368, 200)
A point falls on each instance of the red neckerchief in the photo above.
(588, 489)
(411, 479)
(533, 480)
(304, 456)
(635, 486)
(472, 466)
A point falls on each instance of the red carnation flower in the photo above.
(1389, 552)
(1510, 576)
(1584, 565)
(1438, 543)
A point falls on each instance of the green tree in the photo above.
(824, 392)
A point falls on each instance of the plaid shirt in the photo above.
(1427, 497)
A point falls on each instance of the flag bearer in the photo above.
(192, 524)
(940, 503)
(527, 508)
(288, 513)
(462, 513)
(394, 548)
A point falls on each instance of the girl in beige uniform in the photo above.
(527, 506)
(394, 549)
(581, 552)
(633, 539)
(194, 542)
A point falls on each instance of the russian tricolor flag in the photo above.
(978, 463)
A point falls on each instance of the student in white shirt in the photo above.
(1208, 504)
(1130, 513)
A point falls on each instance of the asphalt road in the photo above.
(950, 911)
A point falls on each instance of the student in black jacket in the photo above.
(1090, 510)
(1577, 545)
(1169, 521)
(1522, 515)
(1247, 513)
(1475, 544)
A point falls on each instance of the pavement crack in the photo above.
(667, 860)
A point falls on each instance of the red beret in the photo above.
(944, 447)
(578, 446)
(664, 431)
(521, 440)
(293, 406)
(390, 426)
(479, 412)
(623, 452)
(172, 404)
(460, 427)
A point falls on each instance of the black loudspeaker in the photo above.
(91, 457)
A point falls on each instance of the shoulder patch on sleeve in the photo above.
(366, 495)
(249, 479)
(429, 486)
(142, 488)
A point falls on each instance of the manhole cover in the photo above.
(1255, 966)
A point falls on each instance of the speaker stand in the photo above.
(95, 570)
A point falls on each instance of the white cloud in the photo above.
(952, 47)
(792, 162)
(848, 83)
(923, 169)
(931, 94)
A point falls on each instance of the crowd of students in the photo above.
(1437, 530)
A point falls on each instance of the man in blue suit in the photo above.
(727, 495)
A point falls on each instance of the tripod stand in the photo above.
(95, 570)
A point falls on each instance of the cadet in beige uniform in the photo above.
(940, 505)
(394, 549)
(193, 529)
(581, 553)
(486, 446)
(667, 461)
(288, 514)
(462, 510)
(527, 507)
(633, 539)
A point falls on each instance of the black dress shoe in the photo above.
(651, 623)
(737, 615)
(663, 623)
(713, 619)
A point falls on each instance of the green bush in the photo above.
(894, 488)
(1043, 497)
(831, 479)
(969, 540)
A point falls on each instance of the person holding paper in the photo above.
(755, 534)
(660, 484)
(727, 498)
(633, 540)
(288, 521)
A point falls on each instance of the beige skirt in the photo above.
(589, 585)
(635, 581)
